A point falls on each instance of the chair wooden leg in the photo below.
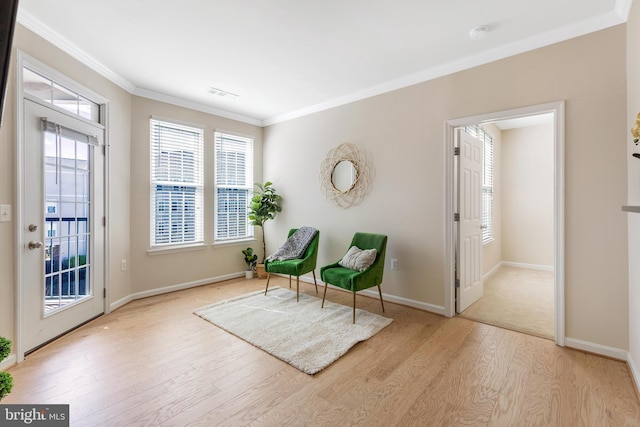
(267, 288)
(380, 292)
(314, 280)
(289, 281)
(354, 307)
(297, 288)
(324, 295)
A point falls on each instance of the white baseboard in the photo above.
(159, 291)
(122, 301)
(391, 298)
(602, 350)
(635, 374)
(406, 301)
(530, 266)
(8, 362)
(493, 271)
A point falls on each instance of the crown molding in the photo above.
(623, 8)
(561, 34)
(60, 42)
(180, 102)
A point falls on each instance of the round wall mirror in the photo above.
(343, 176)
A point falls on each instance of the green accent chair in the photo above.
(296, 267)
(353, 280)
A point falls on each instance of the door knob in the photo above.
(34, 245)
(33, 227)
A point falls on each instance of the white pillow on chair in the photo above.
(358, 259)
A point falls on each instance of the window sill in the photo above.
(162, 250)
(237, 242)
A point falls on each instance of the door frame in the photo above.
(557, 108)
(24, 59)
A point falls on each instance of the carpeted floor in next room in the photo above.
(519, 299)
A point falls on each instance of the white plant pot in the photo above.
(248, 274)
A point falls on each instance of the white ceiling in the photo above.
(288, 58)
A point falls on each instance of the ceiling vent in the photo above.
(223, 93)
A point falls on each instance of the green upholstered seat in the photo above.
(353, 280)
(295, 267)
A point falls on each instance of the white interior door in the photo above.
(62, 262)
(470, 225)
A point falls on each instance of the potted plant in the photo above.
(6, 380)
(251, 260)
(265, 204)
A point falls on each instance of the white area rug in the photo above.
(302, 334)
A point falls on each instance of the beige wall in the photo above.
(403, 133)
(118, 134)
(151, 272)
(633, 197)
(492, 251)
(527, 190)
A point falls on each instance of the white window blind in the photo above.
(487, 180)
(233, 186)
(177, 184)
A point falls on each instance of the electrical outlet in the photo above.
(394, 264)
(123, 265)
(5, 213)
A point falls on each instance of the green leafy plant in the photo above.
(6, 380)
(6, 384)
(265, 204)
(250, 258)
(5, 348)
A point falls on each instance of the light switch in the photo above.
(5, 213)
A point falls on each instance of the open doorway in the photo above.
(521, 262)
(517, 225)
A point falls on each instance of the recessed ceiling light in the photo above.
(479, 32)
(223, 93)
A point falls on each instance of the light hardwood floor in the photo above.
(154, 363)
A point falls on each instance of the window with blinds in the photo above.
(233, 186)
(487, 180)
(177, 184)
